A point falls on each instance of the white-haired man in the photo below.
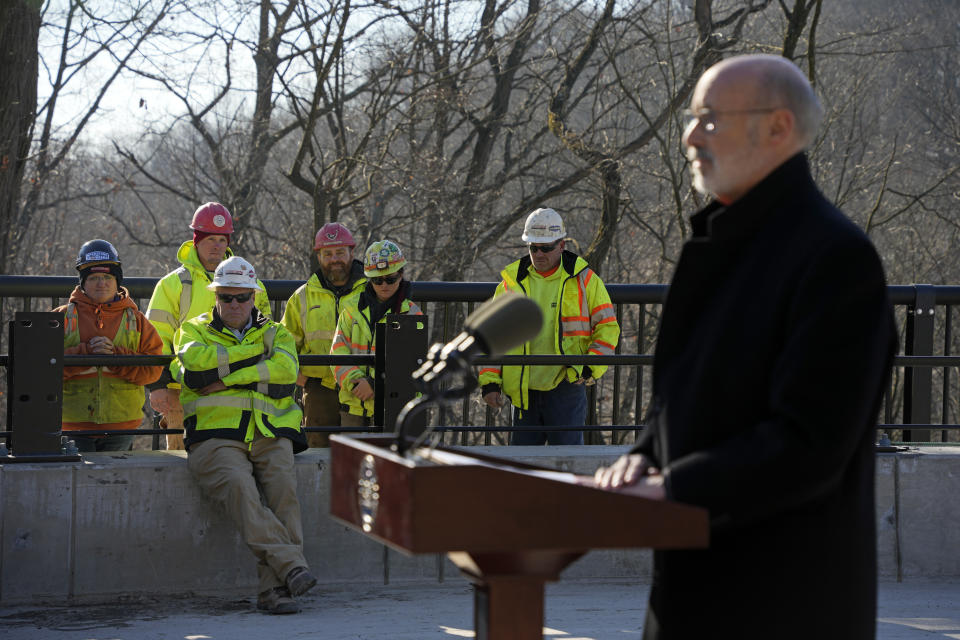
(775, 343)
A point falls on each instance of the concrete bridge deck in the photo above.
(124, 547)
(575, 610)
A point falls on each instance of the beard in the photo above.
(700, 183)
(335, 272)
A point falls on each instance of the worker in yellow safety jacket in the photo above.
(182, 294)
(385, 292)
(311, 317)
(237, 370)
(578, 319)
(102, 319)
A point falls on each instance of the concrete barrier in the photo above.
(123, 526)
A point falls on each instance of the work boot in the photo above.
(277, 600)
(300, 580)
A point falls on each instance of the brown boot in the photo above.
(278, 601)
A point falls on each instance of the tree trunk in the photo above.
(19, 32)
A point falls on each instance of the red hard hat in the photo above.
(333, 234)
(212, 218)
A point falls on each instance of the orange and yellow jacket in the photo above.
(102, 396)
(577, 314)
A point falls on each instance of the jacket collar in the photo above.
(719, 223)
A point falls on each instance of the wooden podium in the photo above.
(509, 527)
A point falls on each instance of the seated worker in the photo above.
(237, 370)
(386, 292)
(101, 319)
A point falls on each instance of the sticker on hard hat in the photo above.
(97, 255)
(331, 236)
(219, 220)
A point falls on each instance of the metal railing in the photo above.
(924, 314)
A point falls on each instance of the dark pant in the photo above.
(566, 404)
(90, 444)
(321, 408)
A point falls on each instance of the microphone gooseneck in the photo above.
(497, 326)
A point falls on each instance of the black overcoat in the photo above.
(776, 341)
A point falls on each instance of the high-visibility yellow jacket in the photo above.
(355, 335)
(260, 372)
(585, 322)
(106, 396)
(311, 317)
(182, 294)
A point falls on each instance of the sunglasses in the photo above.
(390, 279)
(230, 297)
(544, 248)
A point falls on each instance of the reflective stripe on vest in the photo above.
(186, 290)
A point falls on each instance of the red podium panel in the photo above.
(509, 527)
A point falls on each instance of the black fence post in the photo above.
(401, 347)
(35, 383)
(918, 381)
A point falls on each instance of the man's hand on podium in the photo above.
(632, 474)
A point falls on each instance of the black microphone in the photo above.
(497, 326)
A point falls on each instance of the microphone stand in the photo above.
(429, 380)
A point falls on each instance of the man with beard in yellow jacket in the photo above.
(311, 317)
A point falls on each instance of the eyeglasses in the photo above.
(227, 298)
(106, 277)
(708, 117)
(386, 279)
(543, 248)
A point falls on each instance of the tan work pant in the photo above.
(233, 475)
(321, 408)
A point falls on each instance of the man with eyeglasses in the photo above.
(182, 294)
(385, 292)
(102, 319)
(775, 345)
(311, 317)
(238, 371)
(578, 319)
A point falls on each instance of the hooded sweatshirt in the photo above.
(104, 319)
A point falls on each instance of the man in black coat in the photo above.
(775, 344)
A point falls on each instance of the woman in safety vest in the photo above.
(101, 319)
(385, 292)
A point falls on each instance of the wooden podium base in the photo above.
(508, 590)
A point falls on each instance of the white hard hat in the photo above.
(544, 225)
(235, 272)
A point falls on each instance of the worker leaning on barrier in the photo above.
(578, 319)
(182, 294)
(101, 319)
(385, 292)
(238, 371)
(311, 317)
